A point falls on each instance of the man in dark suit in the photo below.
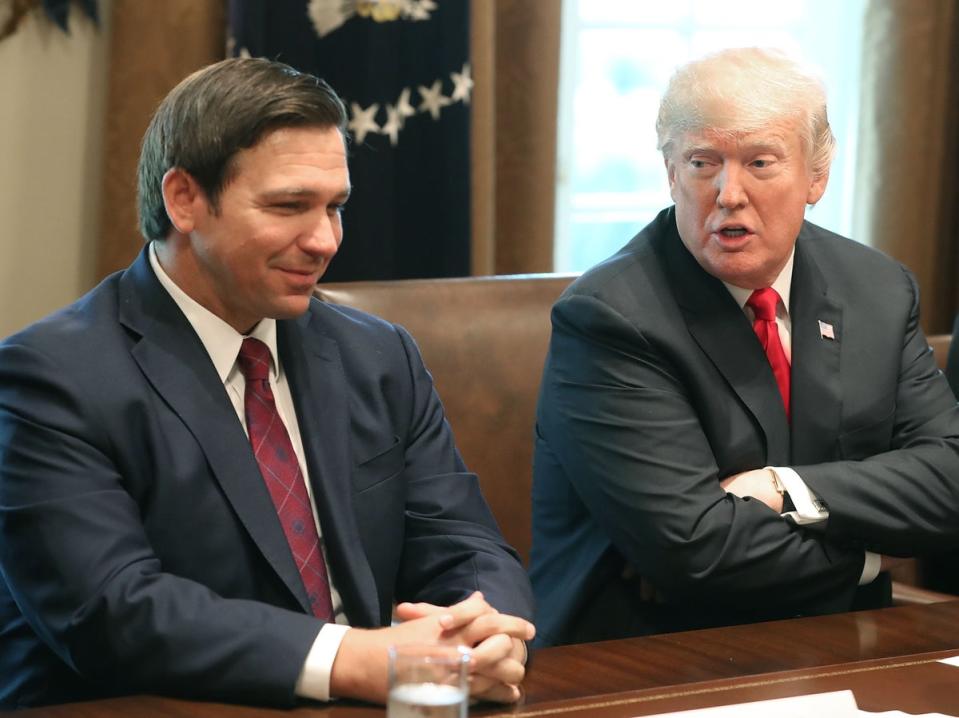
(740, 418)
(213, 485)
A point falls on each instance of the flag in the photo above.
(59, 11)
(402, 69)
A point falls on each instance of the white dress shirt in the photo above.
(222, 343)
(809, 508)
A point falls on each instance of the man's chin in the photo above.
(291, 307)
(738, 271)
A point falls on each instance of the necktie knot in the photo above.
(763, 302)
(254, 360)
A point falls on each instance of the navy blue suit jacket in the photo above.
(656, 388)
(139, 547)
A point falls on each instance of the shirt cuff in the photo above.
(809, 508)
(314, 680)
(870, 568)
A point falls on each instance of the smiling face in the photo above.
(740, 199)
(276, 228)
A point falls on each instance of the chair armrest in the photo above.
(905, 595)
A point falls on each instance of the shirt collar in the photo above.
(782, 285)
(221, 341)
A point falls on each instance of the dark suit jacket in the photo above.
(952, 361)
(656, 388)
(940, 570)
(139, 547)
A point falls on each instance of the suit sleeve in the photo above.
(452, 544)
(899, 492)
(76, 560)
(615, 415)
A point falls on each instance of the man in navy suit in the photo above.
(145, 545)
(740, 418)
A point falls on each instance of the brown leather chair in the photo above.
(484, 340)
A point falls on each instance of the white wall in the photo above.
(52, 99)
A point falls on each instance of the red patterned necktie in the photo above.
(763, 303)
(281, 472)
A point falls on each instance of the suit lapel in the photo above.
(719, 326)
(176, 364)
(318, 386)
(816, 392)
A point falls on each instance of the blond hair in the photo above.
(741, 91)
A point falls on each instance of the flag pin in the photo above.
(826, 331)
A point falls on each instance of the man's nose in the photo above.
(323, 238)
(730, 190)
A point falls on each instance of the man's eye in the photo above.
(698, 164)
(761, 164)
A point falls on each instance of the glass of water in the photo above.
(428, 682)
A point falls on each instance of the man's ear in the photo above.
(670, 174)
(817, 187)
(182, 198)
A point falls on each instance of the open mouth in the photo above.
(734, 231)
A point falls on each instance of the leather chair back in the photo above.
(484, 340)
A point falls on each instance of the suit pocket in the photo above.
(869, 440)
(383, 465)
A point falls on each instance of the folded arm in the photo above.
(897, 491)
(616, 414)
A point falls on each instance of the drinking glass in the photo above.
(428, 682)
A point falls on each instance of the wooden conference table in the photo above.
(889, 658)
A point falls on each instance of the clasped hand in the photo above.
(497, 641)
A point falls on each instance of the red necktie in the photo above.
(281, 472)
(763, 303)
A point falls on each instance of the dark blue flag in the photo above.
(59, 11)
(402, 67)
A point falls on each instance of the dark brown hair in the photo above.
(215, 113)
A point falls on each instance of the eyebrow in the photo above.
(698, 149)
(300, 193)
(771, 147)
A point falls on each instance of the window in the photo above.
(617, 57)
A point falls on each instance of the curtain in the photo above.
(153, 46)
(515, 46)
(907, 184)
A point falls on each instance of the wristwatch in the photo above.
(778, 483)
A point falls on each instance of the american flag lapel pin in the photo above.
(826, 331)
